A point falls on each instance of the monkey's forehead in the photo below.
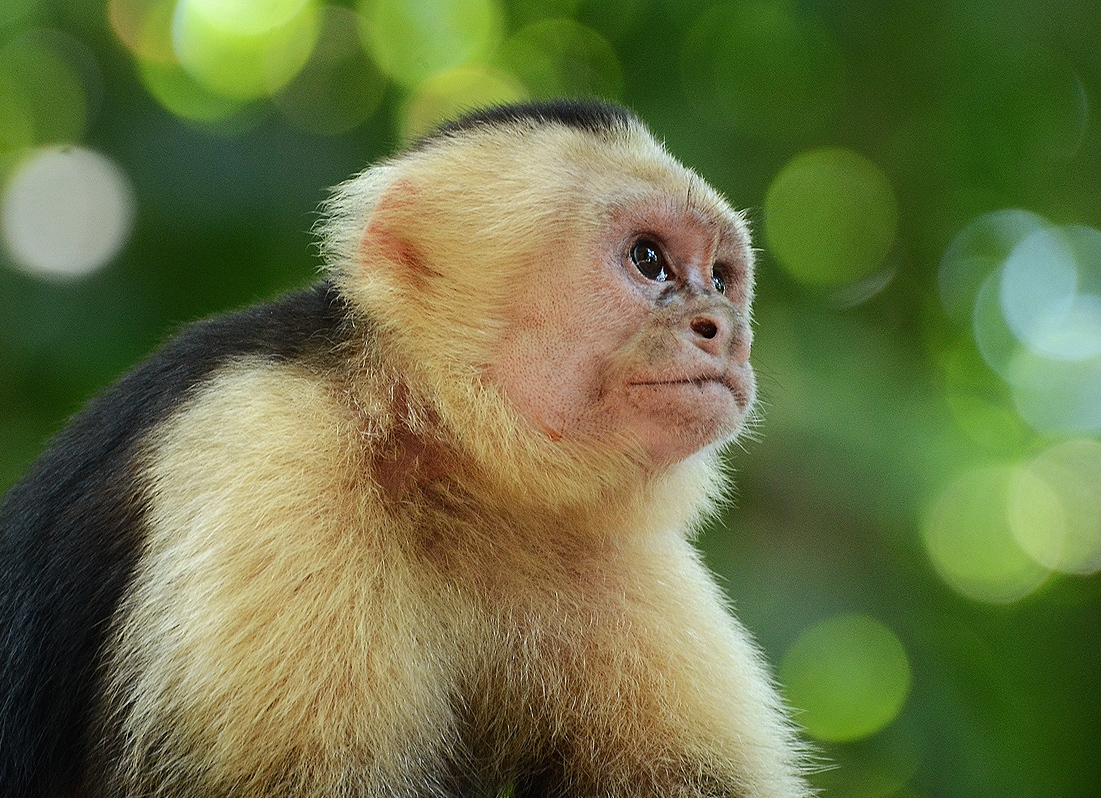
(641, 172)
(610, 166)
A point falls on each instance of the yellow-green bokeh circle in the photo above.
(1055, 507)
(830, 217)
(412, 40)
(248, 17)
(243, 64)
(968, 535)
(847, 678)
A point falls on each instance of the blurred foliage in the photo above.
(917, 531)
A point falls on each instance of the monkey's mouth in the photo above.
(697, 381)
(732, 384)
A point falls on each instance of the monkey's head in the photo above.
(558, 288)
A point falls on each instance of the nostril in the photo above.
(704, 327)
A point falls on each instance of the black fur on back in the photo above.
(591, 116)
(71, 531)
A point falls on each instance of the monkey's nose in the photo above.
(704, 327)
(711, 333)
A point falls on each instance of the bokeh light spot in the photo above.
(559, 57)
(976, 251)
(1055, 396)
(244, 60)
(848, 677)
(1037, 324)
(414, 39)
(764, 67)
(66, 213)
(967, 534)
(248, 17)
(340, 87)
(1052, 396)
(1056, 507)
(1039, 294)
(830, 217)
(1037, 518)
(1037, 286)
(42, 97)
(449, 94)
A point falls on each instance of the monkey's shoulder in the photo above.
(83, 493)
(308, 326)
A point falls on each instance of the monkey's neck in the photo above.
(520, 487)
(461, 527)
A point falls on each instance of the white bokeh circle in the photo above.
(66, 213)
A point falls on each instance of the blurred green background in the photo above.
(916, 533)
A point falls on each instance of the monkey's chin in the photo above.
(679, 418)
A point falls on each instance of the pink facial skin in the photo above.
(601, 350)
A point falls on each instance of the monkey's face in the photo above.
(640, 340)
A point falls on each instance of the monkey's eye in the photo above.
(648, 260)
(719, 282)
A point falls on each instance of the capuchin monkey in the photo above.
(422, 530)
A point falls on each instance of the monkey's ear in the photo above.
(388, 239)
